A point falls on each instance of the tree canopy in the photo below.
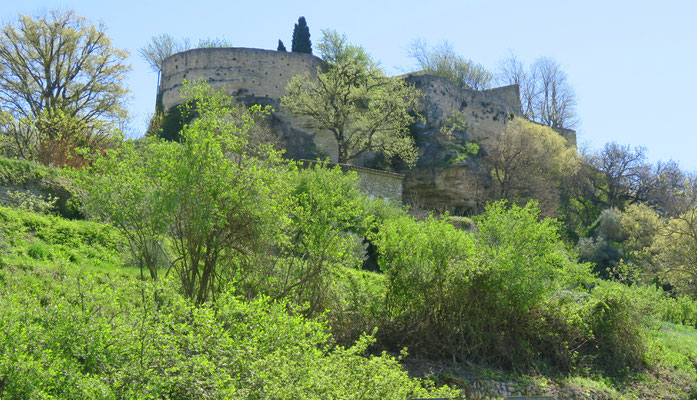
(301, 37)
(61, 62)
(528, 161)
(364, 109)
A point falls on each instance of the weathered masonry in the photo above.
(255, 76)
(375, 183)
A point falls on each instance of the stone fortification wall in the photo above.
(254, 76)
(250, 76)
(485, 112)
(510, 93)
(436, 182)
(246, 74)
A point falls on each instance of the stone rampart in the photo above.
(250, 76)
(485, 112)
(245, 74)
(255, 76)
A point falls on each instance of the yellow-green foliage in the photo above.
(675, 249)
(364, 109)
(528, 161)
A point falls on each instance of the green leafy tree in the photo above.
(213, 200)
(301, 38)
(63, 63)
(365, 110)
(281, 46)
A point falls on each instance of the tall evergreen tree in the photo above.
(301, 37)
(281, 47)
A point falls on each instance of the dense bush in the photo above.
(508, 294)
(427, 264)
(618, 338)
(70, 336)
(320, 238)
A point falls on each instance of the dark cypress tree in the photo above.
(301, 37)
(281, 47)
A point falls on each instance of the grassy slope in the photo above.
(29, 241)
(26, 175)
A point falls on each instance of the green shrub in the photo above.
(656, 303)
(427, 265)
(52, 186)
(618, 337)
(507, 295)
(326, 213)
(39, 251)
(69, 336)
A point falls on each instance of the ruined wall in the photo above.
(486, 112)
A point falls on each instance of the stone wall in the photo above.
(254, 76)
(380, 184)
(372, 182)
(485, 112)
(246, 74)
(250, 76)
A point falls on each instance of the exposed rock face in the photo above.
(446, 176)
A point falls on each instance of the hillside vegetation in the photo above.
(221, 270)
(211, 267)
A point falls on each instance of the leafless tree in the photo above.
(625, 174)
(161, 47)
(443, 61)
(545, 93)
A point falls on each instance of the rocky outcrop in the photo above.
(449, 175)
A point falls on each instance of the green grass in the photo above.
(29, 240)
(675, 346)
(17, 172)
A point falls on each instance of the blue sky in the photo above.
(631, 63)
